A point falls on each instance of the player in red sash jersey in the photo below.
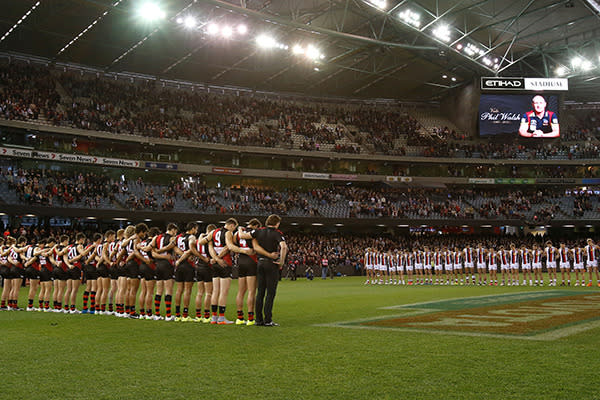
(91, 274)
(185, 271)
(147, 273)
(165, 269)
(103, 266)
(204, 275)
(221, 271)
(15, 274)
(241, 242)
(114, 248)
(31, 271)
(125, 258)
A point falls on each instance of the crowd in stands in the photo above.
(90, 190)
(149, 109)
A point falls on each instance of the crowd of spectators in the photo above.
(90, 190)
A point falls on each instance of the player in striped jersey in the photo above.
(551, 263)
(564, 254)
(480, 256)
(592, 261)
(504, 258)
(369, 265)
(399, 259)
(492, 257)
(514, 265)
(578, 263)
(526, 264)
(438, 257)
(536, 265)
(427, 263)
(419, 260)
(469, 266)
(457, 266)
(409, 259)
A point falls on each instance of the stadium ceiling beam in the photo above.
(107, 10)
(20, 21)
(380, 77)
(337, 72)
(315, 29)
(514, 20)
(145, 38)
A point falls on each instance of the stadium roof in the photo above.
(370, 48)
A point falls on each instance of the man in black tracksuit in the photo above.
(270, 245)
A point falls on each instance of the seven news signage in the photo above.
(553, 84)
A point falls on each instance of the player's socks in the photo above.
(213, 310)
(3, 303)
(92, 301)
(198, 313)
(250, 315)
(157, 299)
(221, 311)
(132, 310)
(110, 307)
(142, 311)
(240, 314)
(177, 311)
(103, 307)
(186, 312)
(149, 312)
(72, 307)
(127, 310)
(86, 297)
(29, 303)
(206, 313)
(40, 304)
(168, 298)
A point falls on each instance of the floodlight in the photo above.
(227, 32)
(189, 22)
(212, 29)
(576, 62)
(561, 71)
(381, 4)
(179, 20)
(445, 76)
(459, 46)
(265, 41)
(242, 29)
(586, 65)
(312, 52)
(297, 49)
(442, 32)
(453, 79)
(150, 11)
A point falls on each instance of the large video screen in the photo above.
(523, 115)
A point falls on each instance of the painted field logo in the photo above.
(544, 315)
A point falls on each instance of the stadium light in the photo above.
(410, 17)
(381, 4)
(212, 29)
(453, 79)
(151, 11)
(576, 62)
(442, 32)
(189, 22)
(586, 65)
(227, 32)
(561, 71)
(179, 20)
(266, 42)
(242, 29)
(297, 49)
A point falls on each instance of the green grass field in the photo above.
(56, 356)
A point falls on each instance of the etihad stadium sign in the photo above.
(524, 84)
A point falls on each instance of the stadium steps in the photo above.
(62, 92)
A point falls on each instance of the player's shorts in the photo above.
(526, 267)
(480, 265)
(578, 266)
(551, 264)
(102, 271)
(147, 272)
(418, 266)
(221, 272)
(536, 265)
(45, 275)
(392, 269)
(409, 268)
(246, 267)
(113, 272)
(438, 267)
(204, 273)
(164, 270)
(132, 270)
(448, 267)
(468, 265)
(514, 266)
(592, 264)
(492, 267)
(4, 271)
(457, 267)
(60, 274)
(90, 272)
(74, 274)
(427, 266)
(185, 272)
(504, 267)
(565, 265)
(369, 267)
(31, 273)
(121, 271)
